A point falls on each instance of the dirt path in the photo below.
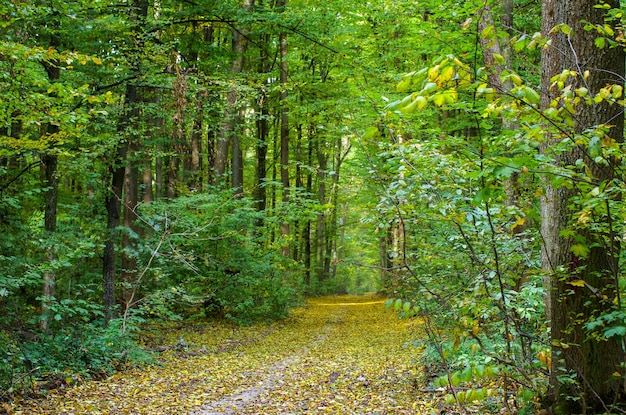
(337, 355)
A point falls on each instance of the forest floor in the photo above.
(335, 355)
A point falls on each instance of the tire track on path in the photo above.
(272, 376)
(336, 355)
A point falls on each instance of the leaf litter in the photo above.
(335, 355)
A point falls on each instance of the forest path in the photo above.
(336, 355)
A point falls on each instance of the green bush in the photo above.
(213, 255)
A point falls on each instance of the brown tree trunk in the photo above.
(196, 144)
(231, 113)
(117, 170)
(284, 128)
(179, 142)
(589, 360)
(260, 193)
(321, 230)
(129, 243)
(146, 180)
(237, 157)
(49, 163)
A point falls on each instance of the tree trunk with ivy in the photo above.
(581, 243)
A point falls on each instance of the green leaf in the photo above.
(580, 250)
(439, 99)
(371, 132)
(615, 331)
(421, 102)
(600, 42)
(430, 87)
(595, 146)
(404, 84)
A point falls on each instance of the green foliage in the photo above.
(77, 350)
(206, 249)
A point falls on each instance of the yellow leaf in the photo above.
(577, 283)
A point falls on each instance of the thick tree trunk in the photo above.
(590, 361)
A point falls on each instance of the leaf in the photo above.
(595, 146)
(430, 87)
(439, 99)
(580, 250)
(421, 102)
(577, 283)
(619, 331)
(404, 84)
(600, 42)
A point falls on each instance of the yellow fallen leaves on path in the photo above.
(335, 355)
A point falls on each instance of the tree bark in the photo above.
(49, 163)
(131, 201)
(231, 114)
(284, 129)
(589, 360)
(262, 127)
(196, 144)
(179, 142)
(321, 229)
(117, 169)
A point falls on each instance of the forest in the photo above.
(173, 163)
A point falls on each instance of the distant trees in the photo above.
(115, 116)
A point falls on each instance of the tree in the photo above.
(580, 256)
(117, 169)
(229, 133)
(284, 125)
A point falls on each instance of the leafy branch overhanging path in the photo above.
(336, 355)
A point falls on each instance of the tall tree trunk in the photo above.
(587, 359)
(284, 128)
(117, 169)
(179, 142)
(321, 230)
(262, 127)
(231, 113)
(131, 200)
(237, 157)
(147, 195)
(307, 227)
(298, 242)
(159, 179)
(196, 144)
(49, 163)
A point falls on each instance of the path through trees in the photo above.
(342, 354)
